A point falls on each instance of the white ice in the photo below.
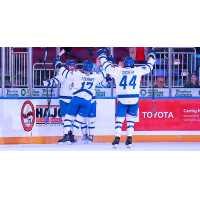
(158, 146)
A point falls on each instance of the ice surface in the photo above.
(158, 146)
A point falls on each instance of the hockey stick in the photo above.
(152, 90)
(45, 75)
(49, 102)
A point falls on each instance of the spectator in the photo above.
(121, 62)
(159, 82)
(193, 82)
(139, 54)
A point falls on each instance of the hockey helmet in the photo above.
(128, 62)
(87, 66)
(70, 63)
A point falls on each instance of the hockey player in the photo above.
(84, 90)
(128, 87)
(65, 92)
(91, 119)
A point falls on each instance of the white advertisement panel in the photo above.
(158, 92)
(23, 118)
(106, 92)
(186, 92)
(24, 92)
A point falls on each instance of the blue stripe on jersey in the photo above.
(83, 90)
(67, 120)
(93, 97)
(67, 126)
(118, 127)
(105, 62)
(64, 71)
(76, 126)
(131, 121)
(65, 97)
(119, 122)
(66, 74)
(128, 95)
(79, 122)
(102, 57)
(83, 127)
(107, 66)
(57, 80)
(130, 126)
(149, 67)
(150, 64)
(91, 127)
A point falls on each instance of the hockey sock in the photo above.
(63, 120)
(118, 126)
(84, 126)
(73, 118)
(130, 124)
(77, 122)
(67, 123)
(91, 125)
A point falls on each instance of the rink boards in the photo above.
(175, 120)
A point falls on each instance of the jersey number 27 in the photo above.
(123, 82)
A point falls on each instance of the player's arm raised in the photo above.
(149, 66)
(107, 66)
(62, 73)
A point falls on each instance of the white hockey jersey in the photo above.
(127, 80)
(66, 90)
(84, 84)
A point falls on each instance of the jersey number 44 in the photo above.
(123, 82)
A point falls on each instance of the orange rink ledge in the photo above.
(136, 138)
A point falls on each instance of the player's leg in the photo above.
(120, 116)
(130, 117)
(83, 111)
(84, 130)
(72, 110)
(63, 109)
(92, 120)
(91, 127)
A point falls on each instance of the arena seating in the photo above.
(93, 59)
(52, 52)
(120, 52)
(38, 52)
(18, 50)
(81, 52)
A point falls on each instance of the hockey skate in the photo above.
(84, 139)
(116, 142)
(71, 139)
(128, 142)
(63, 140)
(90, 138)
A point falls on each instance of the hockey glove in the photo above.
(46, 82)
(108, 78)
(101, 53)
(57, 63)
(110, 58)
(152, 54)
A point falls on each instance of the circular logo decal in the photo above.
(143, 92)
(27, 115)
(23, 92)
